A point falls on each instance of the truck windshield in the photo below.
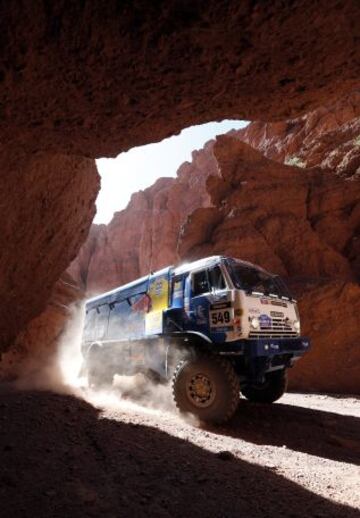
(251, 279)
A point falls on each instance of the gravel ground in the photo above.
(110, 456)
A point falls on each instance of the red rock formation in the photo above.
(144, 236)
(89, 79)
(328, 137)
(149, 228)
(269, 213)
(299, 222)
(330, 316)
(44, 221)
(97, 78)
(281, 217)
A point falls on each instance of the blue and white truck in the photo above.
(217, 326)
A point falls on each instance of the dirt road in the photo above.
(62, 456)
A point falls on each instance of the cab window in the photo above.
(216, 278)
(200, 283)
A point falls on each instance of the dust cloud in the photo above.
(127, 393)
(61, 372)
(57, 369)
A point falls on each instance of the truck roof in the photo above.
(210, 261)
(206, 262)
(199, 263)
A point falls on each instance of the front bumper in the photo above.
(255, 357)
(274, 346)
(268, 347)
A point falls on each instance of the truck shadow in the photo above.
(59, 457)
(324, 434)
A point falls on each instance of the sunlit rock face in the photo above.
(157, 227)
(281, 217)
(145, 235)
(297, 221)
(328, 137)
(270, 213)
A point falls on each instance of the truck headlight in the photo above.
(297, 325)
(254, 322)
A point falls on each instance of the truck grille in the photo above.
(277, 329)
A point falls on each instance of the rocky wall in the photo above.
(89, 79)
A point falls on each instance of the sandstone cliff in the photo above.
(145, 235)
(81, 80)
(150, 229)
(282, 217)
(44, 222)
(301, 222)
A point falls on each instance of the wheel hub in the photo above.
(201, 391)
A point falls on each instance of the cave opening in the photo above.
(82, 80)
(140, 167)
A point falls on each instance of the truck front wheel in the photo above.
(270, 390)
(206, 387)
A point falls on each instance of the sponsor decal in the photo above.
(143, 304)
(158, 287)
(265, 321)
(200, 315)
(274, 303)
(178, 291)
(278, 314)
(278, 303)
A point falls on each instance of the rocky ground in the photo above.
(112, 456)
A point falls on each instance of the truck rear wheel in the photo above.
(206, 387)
(271, 390)
(99, 372)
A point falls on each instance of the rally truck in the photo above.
(216, 327)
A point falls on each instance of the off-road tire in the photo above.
(224, 380)
(99, 374)
(271, 390)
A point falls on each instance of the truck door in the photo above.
(221, 312)
(200, 293)
(210, 304)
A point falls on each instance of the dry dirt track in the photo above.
(62, 457)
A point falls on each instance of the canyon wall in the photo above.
(301, 222)
(145, 235)
(150, 229)
(45, 220)
(80, 80)
(96, 78)
(282, 217)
